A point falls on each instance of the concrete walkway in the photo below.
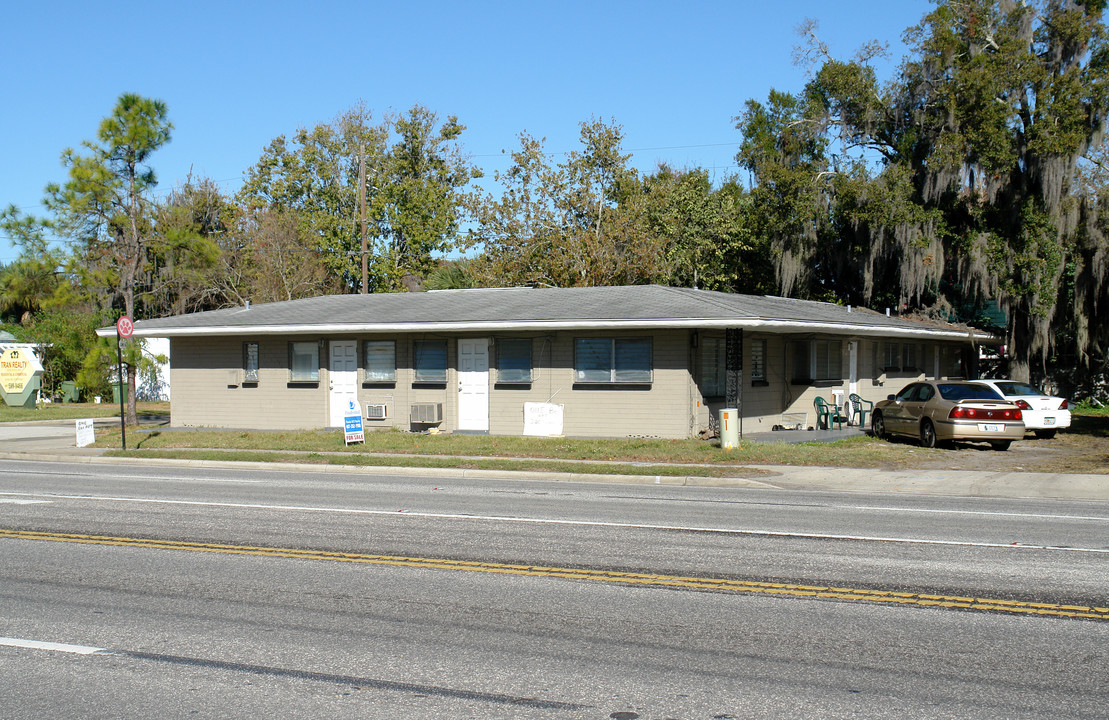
(54, 441)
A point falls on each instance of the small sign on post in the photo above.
(125, 327)
(354, 432)
(85, 433)
(352, 423)
(124, 330)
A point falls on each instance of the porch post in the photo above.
(853, 379)
(733, 372)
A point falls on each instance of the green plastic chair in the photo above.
(826, 414)
(862, 407)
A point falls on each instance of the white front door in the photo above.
(473, 385)
(343, 378)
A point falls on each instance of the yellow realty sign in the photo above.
(17, 368)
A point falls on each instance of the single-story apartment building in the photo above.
(646, 361)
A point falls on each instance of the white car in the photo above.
(1043, 413)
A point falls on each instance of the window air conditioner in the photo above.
(376, 412)
(427, 413)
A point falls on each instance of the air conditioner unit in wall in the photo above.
(376, 411)
(427, 413)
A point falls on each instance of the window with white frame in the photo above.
(514, 360)
(612, 360)
(304, 361)
(381, 361)
(429, 361)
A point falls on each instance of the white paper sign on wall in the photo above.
(543, 419)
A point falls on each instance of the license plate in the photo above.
(1049, 421)
(990, 428)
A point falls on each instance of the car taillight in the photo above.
(1063, 405)
(958, 412)
(1023, 405)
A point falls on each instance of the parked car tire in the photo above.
(1001, 444)
(877, 425)
(927, 433)
(1045, 434)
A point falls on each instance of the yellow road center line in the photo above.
(631, 578)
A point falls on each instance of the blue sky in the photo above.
(237, 74)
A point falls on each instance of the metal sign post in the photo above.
(124, 328)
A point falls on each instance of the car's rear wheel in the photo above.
(1001, 444)
(927, 434)
(877, 425)
(1045, 434)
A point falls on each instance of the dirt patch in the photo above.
(1083, 448)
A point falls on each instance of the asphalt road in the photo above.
(130, 591)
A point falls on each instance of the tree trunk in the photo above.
(1019, 349)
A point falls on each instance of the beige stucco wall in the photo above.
(208, 388)
(207, 379)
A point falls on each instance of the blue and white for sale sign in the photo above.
(352, 424)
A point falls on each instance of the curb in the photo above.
(461, 473)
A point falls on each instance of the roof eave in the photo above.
(795, 326)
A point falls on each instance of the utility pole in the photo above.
(362, 195)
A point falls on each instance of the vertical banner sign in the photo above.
(124, 329)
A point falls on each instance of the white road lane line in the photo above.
(576, 523)
(51, 646)
(988, 513)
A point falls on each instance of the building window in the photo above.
(612, 360)
(381, 361)
(909, 357)
(304, 362)
(514, 361)
(800, 355)
(954, 365)
(430, 361)
(713, 364)
(827, 360)
(250, 362)
(817, 360)
(758, 361)
(891, 357)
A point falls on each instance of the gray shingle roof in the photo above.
(630, 307)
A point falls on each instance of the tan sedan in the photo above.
(942, 411)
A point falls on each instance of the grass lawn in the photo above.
(1082, 448)
(605, 456)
